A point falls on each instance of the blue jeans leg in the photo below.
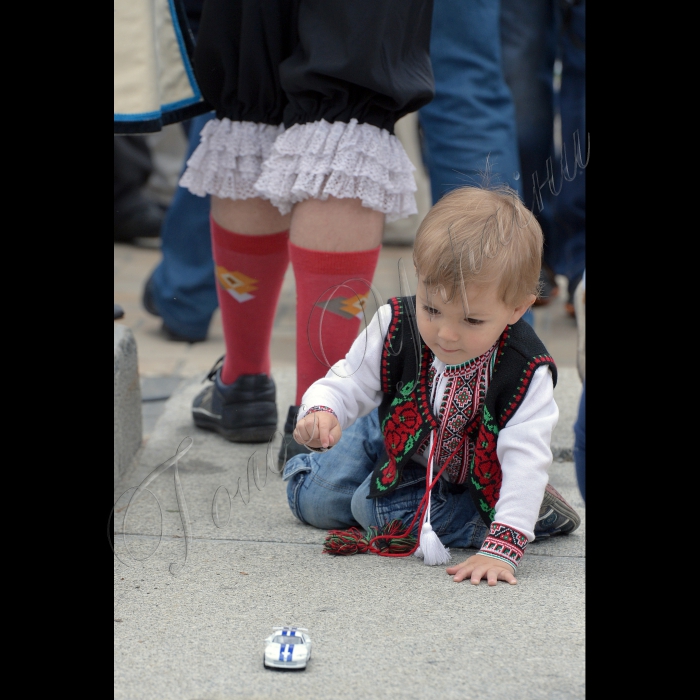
(580, 444)
(471, 117)
(183, 285)
(321, 485)
(570, 205)
(528, 37)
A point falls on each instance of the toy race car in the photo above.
(287, 647)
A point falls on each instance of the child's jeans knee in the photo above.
(321, 485)
(313, 499)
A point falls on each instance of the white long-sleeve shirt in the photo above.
(352, 389)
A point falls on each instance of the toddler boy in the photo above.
(445, 403)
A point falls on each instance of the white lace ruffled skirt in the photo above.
(240, 160)
(306, 94)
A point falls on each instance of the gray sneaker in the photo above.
(556, 517)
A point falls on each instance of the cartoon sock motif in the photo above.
(249, 275)
(330, 281)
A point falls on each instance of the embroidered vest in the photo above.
(406, 417)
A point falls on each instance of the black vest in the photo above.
(406, 418)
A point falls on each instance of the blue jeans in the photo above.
(580, 444)
(183, 283)
(472, 116)
(329, 490)
(533, 34)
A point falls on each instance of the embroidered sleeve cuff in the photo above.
(316, 409)
(504, 543)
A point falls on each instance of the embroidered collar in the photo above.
(466, 367)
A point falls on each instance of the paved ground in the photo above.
(212, 558)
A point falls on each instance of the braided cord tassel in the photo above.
(345, 542)
(354, 541)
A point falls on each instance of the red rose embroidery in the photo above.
(389, 473)
(401, 424)
(407, 414)
(395, 436)
(486, 464)
(491, 494)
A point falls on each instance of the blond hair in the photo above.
(480, 235)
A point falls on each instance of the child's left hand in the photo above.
(479, 566)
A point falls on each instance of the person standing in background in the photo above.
(469, 128)
(302, 165)
(535, 34)
(181, 288)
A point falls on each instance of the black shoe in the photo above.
(244, 411)
(290, 447)
(149, 303)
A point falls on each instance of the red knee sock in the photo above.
(249, 275)
(320, 277)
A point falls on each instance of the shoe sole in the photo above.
(257, 433)
(560, 506)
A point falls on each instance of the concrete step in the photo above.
(127, 401)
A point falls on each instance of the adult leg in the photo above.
(239, 47)
(250, 247)
(469, 127)
(570, 205)
(334, 250)
(181, 289)
(528, 38)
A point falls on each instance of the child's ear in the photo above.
(520, 310)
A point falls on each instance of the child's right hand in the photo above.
(319, 429)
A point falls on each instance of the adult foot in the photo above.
(149, 303)
(244, 411)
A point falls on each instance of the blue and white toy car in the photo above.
(287, 647)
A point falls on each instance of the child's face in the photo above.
(456, 337)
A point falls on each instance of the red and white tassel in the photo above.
(431, 550)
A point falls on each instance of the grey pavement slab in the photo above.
(381, 628)
(193, 604)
